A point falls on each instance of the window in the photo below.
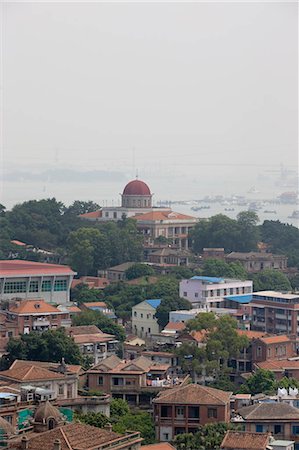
(196, 294)
(142, 328)
(218, 292)
(259, 428)
(166, 436)
(149, 330)
(46, 286)
(165, 411)
(212, 413)
(148, 316)
(295, 429)
(141, 315)
(12, 287)
(61, 389)
(193, 412)
(180, 411)
(259, 351)
(135, 314)
(33, 287)
(60, 285)
(277, 429)
(115, 215)
(185, 294)
(231, 291)
(100, 381)
(106, 213)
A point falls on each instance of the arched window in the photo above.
(51, 424)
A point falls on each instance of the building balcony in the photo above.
(41, 323)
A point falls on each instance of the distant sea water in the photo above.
(182, 193)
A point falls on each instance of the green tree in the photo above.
(139, 270)
(262, 381)
(118, 408)
(139, 421)
(51, 345)
(208, 437)
(102, 322)
(271, 279)
(83, 294)
(203, 321)
(94, 419)
(81, 207)
(170, 304)
(249, 234)
(219, 268)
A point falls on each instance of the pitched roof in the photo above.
(27, 307)
(177, 326)
(29, 372)
(140, 365)
(91, 215)
(93, 338)
(95, 304)
(84, 329)
(122, 267)
(159, 446)
(199, 336)
(162, 215)
(154, 303)
(74, 436)
(74, 368)
(251, 334)
(194, 394)
(269, 411)
(275, 339)
(244, 440)
(16, 267)
(279, 365)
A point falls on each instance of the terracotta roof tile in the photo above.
(251, 334)
(28, 307)
(30, 373)
(99, 304)
(177, 326)
(245, 440)
(74, 368)
(74, 436)
(159, 446)
(278, 365)
(269, 411)
(162, 215)
(91, 215)
(274, 339)
(84, 329)
(16, 267)
(194, 394)
(93, 338)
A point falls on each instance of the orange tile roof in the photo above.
(177, 326)
(244, 440)
(30, 373)
(91, 215)
(74, 368)
(28, 307)
(73, 309)
(251, 334)
(199, 336)
(16, 242)
(194, 394)
(16, 267)
(275, 339)
(162, 215)
(159, 446)
(84, 329)
(93, 338)
(99, 304)
(278, 365)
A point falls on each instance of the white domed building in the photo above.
(152, 222)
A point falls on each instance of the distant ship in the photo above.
(253, 190)
(270, 211)
(295, 215)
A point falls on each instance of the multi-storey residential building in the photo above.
(268, 348)
(133, 380)
(144, 322)
(60, 380)
(36, 315)
(275, 313)
(27, 279)
(200, 290)
(254, 262)
(93, 342)
(279, 419)
(187, 408)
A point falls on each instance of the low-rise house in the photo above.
(169, 256)
(243, 363)
(254, 262)
(93, 342)
(241, 440)
(175, 327)
(91, 282)
(281, 368)
(279, 419)
(36, 315)
(161, 357)
(134, 380)
(78, 436)
(116, 273)
(272, 348)
(60, 380)
(187, 408)
(101, 307)
(144, 322)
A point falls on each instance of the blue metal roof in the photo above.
(239, 298)
(208, 279)
(154, 302)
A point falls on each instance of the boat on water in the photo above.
(198, 208)
(229, 209)
(270, 211)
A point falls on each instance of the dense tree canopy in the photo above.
(208, 437)
(51, 345)
(219, 268)
(271, 279)
(262, 381)
(139, 270)
(102, 322)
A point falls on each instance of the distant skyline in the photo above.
(196, 97)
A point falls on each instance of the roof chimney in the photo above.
(24, 443)
(108, 427)
(57, 444)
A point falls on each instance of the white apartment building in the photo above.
(144, 322)
(30, 280)
(210, 291)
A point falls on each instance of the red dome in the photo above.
(136, 187)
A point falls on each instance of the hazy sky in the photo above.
(181, 91)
